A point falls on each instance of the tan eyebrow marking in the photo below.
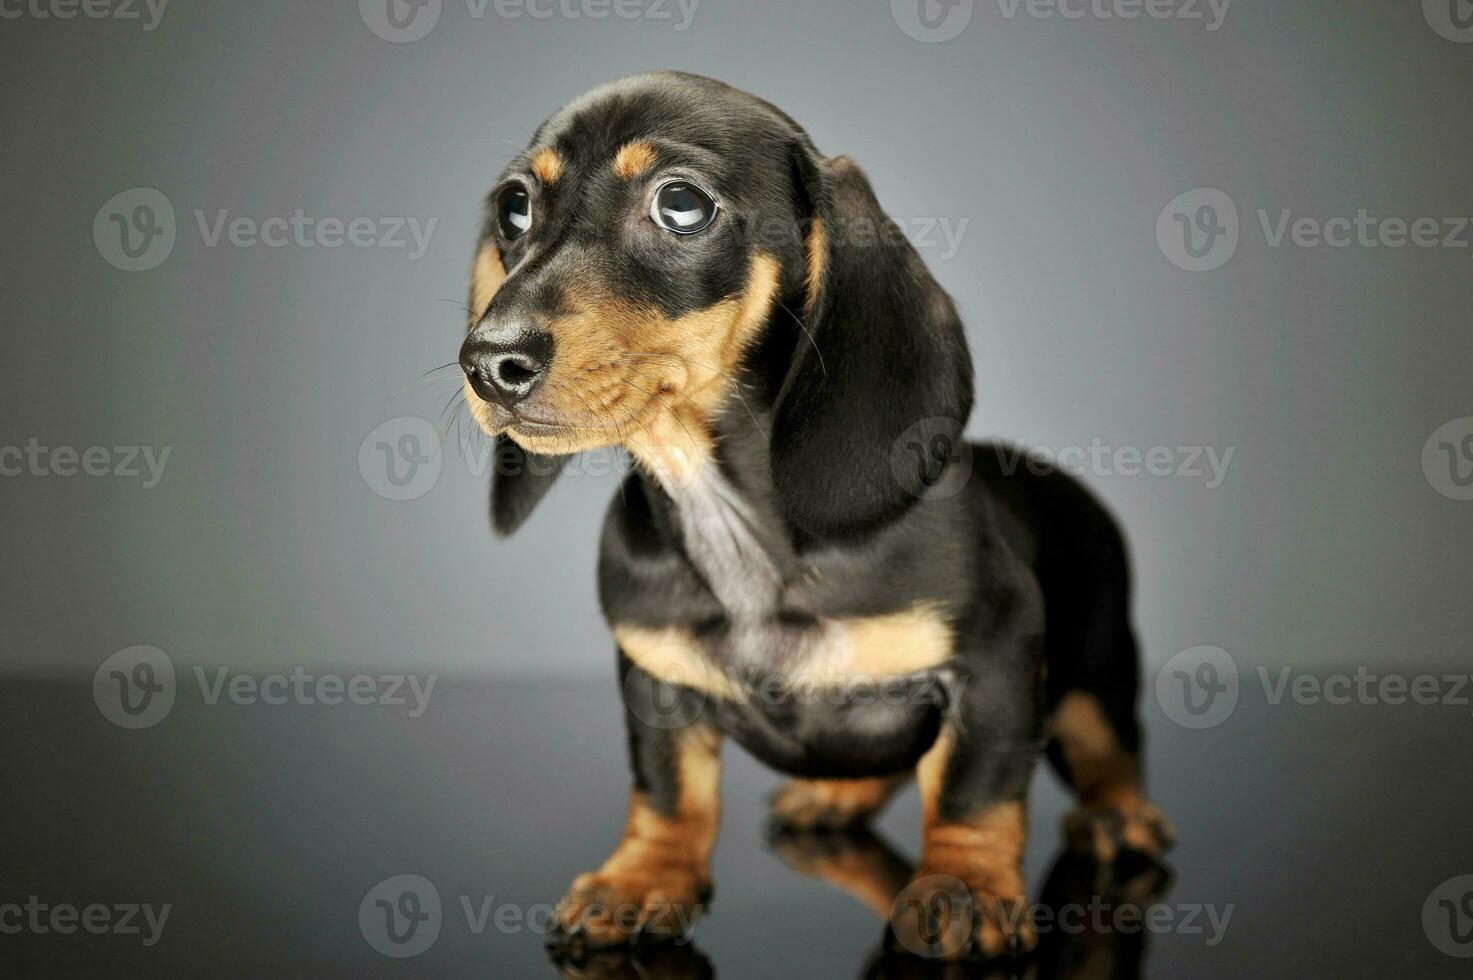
(634, 159)
(547, 165)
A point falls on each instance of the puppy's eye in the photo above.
(683, 208)
(514, 213)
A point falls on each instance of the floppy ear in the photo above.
(884, 352)
(519, 482)
(519, 479)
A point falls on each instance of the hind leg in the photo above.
(1093, 682)
(1098, 756)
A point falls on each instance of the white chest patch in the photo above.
(725, 539)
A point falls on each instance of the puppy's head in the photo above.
(653, 238)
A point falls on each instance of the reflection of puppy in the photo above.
(854, 860)
(808, 556)
(1074, 948)
(664, 961)
(1076, 944)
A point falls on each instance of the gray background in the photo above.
(265, 547)
(1057, 141)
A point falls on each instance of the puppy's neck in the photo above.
(728, 535)
(724, 513)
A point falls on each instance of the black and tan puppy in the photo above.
(806, 555)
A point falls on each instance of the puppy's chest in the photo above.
(774, 629)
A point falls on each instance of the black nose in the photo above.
(505, 362)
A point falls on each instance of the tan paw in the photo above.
(1129, 824)
(938, 916)
(616, 908)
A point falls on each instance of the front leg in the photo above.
(658, 880)
(968, 896)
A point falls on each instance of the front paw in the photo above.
(619, 907)
(939, 916)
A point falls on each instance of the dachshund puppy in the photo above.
(806, 556)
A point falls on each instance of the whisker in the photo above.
(646, 426)
(736, 387)
(574, 393)
(495, 139)
(595, 413)
(454, 413)
(453, 417)
(480, 433)
(619, 432)
(799, 320)
(631, 417)
(424, 383)
(666, 407)
(459, 393)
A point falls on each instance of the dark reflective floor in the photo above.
(1314, 842)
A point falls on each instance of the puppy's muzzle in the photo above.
(506, 361)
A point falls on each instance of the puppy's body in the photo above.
(800, 650)
(807, 558)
